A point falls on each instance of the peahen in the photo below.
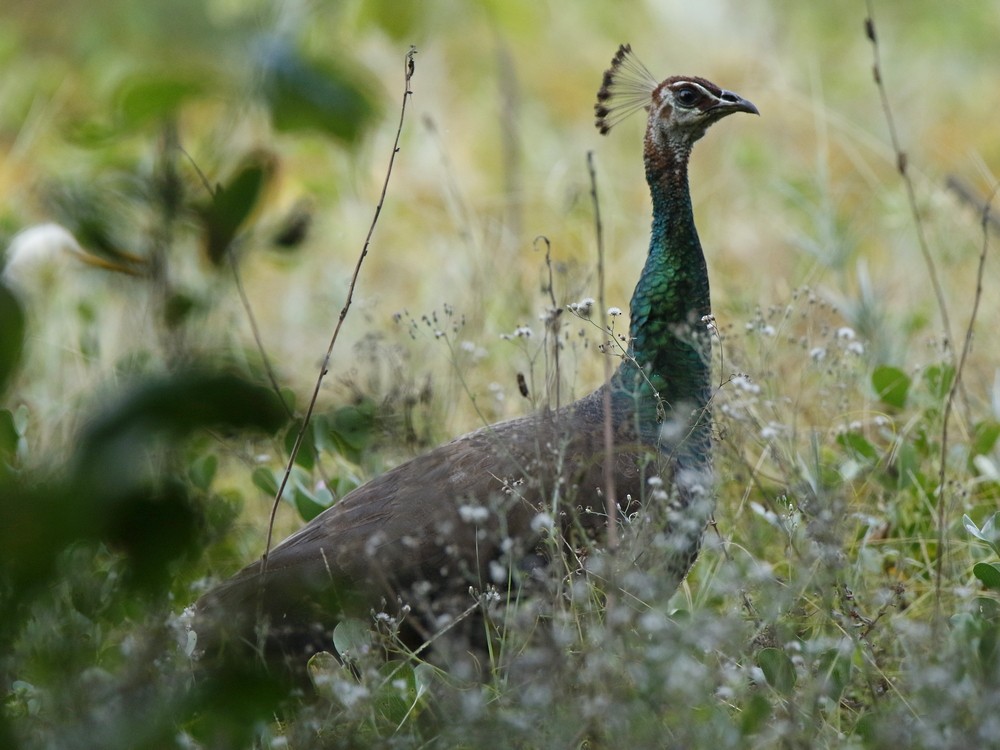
(475, 511)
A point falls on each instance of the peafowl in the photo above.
(476, 511)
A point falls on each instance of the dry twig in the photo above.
(949, 403)
(610, 493)
(408, 73)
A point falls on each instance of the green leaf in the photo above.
(990, 533)
(867, 727)
(178, 308)
(9, 437)
(857, 444)
(112, 445)
(987, 609)
(288, 396)
(352, 638)
(984, 437)
(91, 133)
(344, 483)
(777, 668)
(153, 530)
(400, 20)
(309, 505)
(202, 471)
(309, 95)
(350, 429)
(836, 669)
(397, 693)
(908, 466)
(988, 574)
(306, 457)
(232, 205)
(154, 98)
(971, 527)
(939, 380)
(182, 403)
(891, 385)
(294, 228)
(322, 667)
(240, 696)
(424, 675)
(755, 714)
(989, 638)
(264, 480)
(11, 335)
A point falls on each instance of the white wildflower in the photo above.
(652, 621)
(473, 513)
(498, 573)
(770, 431)
(986, 467)
(768, 515)
(614, 312)
(541, 521)
(744, 383)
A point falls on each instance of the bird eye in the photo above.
(686, 96)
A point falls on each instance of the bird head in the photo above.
(681, 108)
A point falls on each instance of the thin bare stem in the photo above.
(956, 386)
(610, 493)
(968, 195)
(407, 92)
(966, 348)
(902, 168)
(552, 319)
(244, 299)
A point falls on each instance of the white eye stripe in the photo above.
(678, 85)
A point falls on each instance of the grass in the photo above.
(839, 599)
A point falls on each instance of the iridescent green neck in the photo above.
(669, 341)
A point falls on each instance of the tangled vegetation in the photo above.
(199, 185)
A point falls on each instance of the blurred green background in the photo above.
(493, 155)
(148, 149)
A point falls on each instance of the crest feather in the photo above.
(625, 88)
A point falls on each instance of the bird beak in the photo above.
(730, 102)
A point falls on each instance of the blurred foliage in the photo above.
(231, 206)
(11, 336)
(197, 151)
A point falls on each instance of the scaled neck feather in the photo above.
(669, 341)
